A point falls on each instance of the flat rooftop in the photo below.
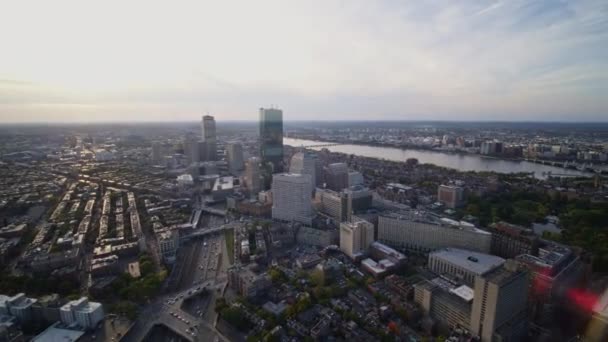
(463, 292)
(478, 263)
(57, 333)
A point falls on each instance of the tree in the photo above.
(317, 278)
(220, 304)
(146, 267)
(303, 304)
(236, 317)
(277, 276)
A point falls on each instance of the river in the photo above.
(458, 161)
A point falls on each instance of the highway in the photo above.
(204, 266)
(167, 311)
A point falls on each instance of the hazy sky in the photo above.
(175, 60)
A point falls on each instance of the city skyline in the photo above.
(498, 61)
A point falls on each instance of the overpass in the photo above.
(158, 313)
(213, 211)
(204, 232)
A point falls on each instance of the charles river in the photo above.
(462, 162)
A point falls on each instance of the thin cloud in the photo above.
(316, 58)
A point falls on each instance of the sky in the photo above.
(90, 61)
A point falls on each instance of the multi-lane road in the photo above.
(203, 267)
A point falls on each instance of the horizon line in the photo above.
(53, 123)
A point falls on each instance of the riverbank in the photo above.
(461, 161)
(431, 149)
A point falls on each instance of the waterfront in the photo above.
(458, 161)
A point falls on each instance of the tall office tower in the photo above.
(336, 176)
(253, 176)
(234, 154)
(356, 236)
(202, 151)
(209, 136)
(291, 197)
(451, 196)
(319, 168)
(271, 138)
(499, 306)
(191, 149)
(306, 164)
(156, 155)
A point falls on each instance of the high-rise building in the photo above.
(494, 310)
(499, 307)
(333, 204)
(336, 176)
(359, 199)
(356, 236)
(305, 163)
(462, 264)
(202, 151)
(291, 197)
(446, 302)
(491, 147)
(191, 149)
(253, 176)
(271, 138)
(451, 196)
(355, 178)
(209, 136)
(234, 154)
(340, 206)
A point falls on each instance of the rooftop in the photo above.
(387, 250)
(478, 263)
(432, 218)
(377, 267)
(224, 183)
(463, 292)
(58, 333)
(501, 275)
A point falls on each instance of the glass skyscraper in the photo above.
(209, 137)
(271, 138)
